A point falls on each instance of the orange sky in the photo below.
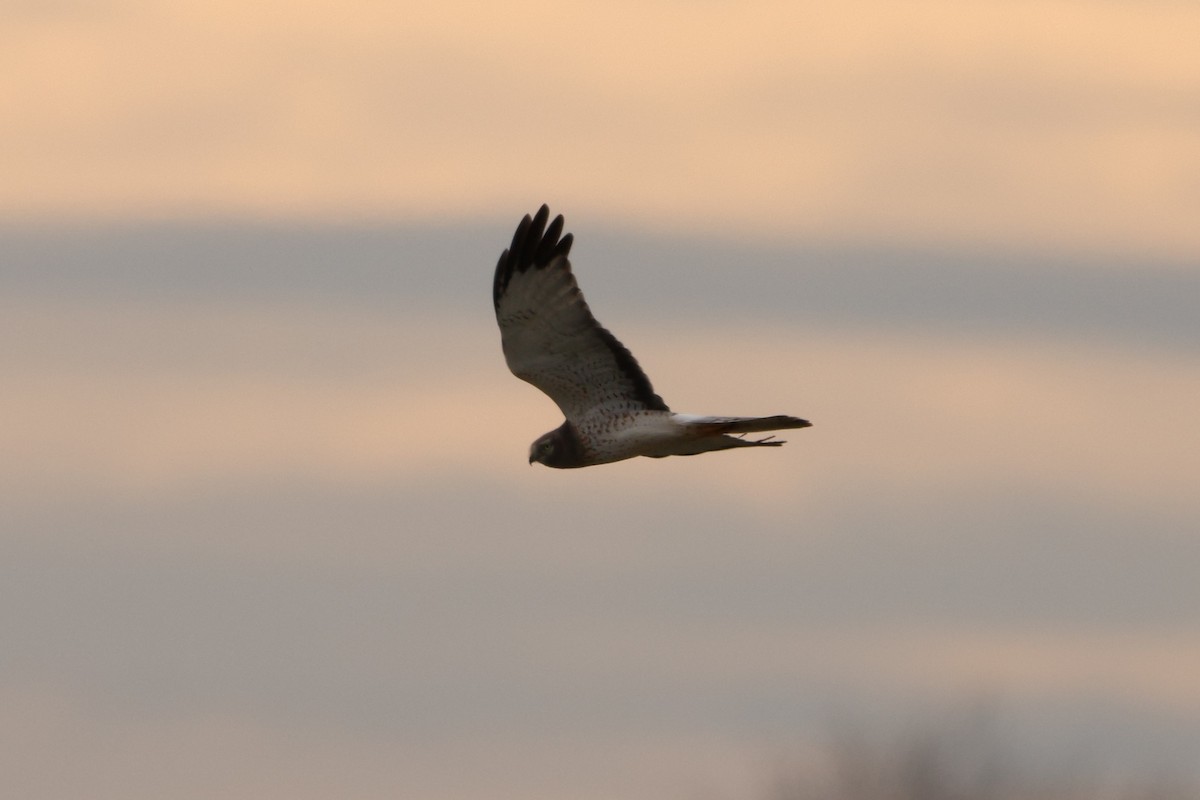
(1060, 125)
(272, 540)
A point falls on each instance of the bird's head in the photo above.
(560, 448)
(542, 451)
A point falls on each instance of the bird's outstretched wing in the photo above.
(549, 335)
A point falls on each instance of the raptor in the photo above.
(551, 340)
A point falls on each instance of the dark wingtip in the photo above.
(534, 245)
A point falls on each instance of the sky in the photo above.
(268, 528)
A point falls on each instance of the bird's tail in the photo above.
(738, 426)
(778, 422)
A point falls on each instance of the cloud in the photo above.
(256, 544)
(148, 400)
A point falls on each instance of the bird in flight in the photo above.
(551, 340)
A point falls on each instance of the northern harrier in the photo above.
(551, 340)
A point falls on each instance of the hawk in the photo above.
(551, 340)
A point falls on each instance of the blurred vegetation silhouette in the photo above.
(963, 759)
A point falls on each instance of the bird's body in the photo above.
(551, 340)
